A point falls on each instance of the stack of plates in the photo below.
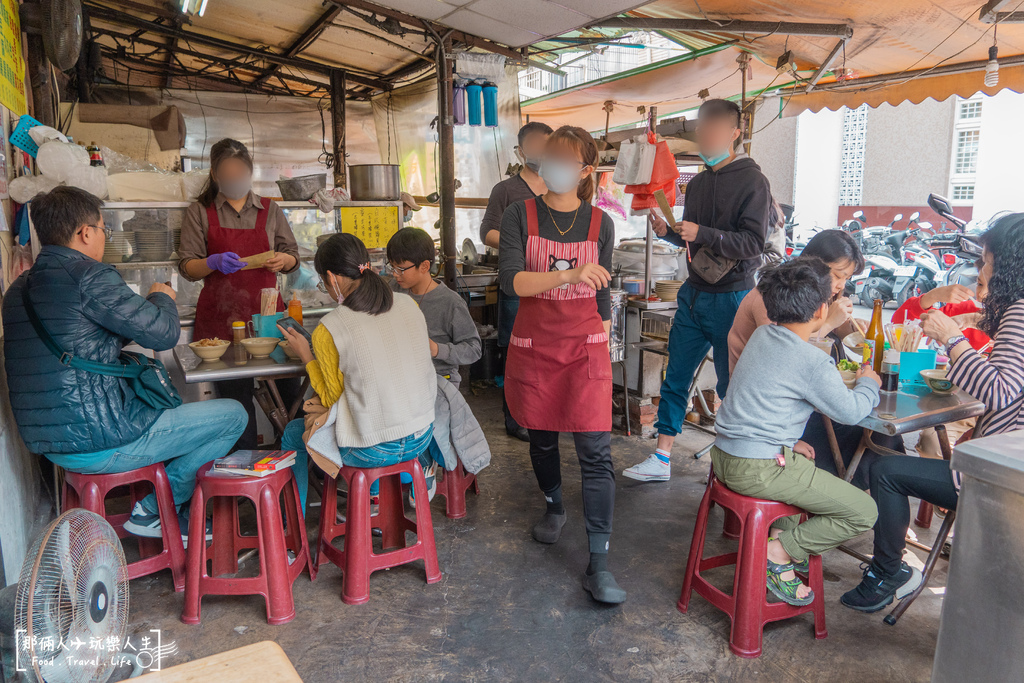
(667, 289)
(176, 238)
(153, 245)
(119, 248)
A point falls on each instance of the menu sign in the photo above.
(12, 66)
(374, 225)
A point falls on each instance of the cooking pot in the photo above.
(374, 182)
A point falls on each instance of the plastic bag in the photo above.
(635, 161)
(625, 164)
(42, 134)
(193, 183)
(58, 160)
(92, 179)
(24, 188)
(664, 174)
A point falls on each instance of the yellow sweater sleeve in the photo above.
(324, 376)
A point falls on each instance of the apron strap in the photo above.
(262, 215)
(596, 216)
(212, 219)
(532, 226)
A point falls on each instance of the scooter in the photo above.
(876, 280)
(965, 248)
(920, 270)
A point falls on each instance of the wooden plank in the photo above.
(263, 661)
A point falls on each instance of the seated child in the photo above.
(371, 363)
(454, 340)
(778, 381)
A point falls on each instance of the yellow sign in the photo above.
(374, 225)
(12, 67)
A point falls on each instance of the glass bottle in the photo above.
(875, 338)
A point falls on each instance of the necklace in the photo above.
(553, 222)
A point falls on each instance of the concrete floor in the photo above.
(508, 608)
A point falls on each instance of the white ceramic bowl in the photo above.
(210, 353)
(849, 378)
(260, 347)
(288, 350)
(937, 382)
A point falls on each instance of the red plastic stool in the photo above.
(747, 606)
(358, 560)
(453, 487)
(89, 491)
(272, 539)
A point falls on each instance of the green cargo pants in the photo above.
(840, 510)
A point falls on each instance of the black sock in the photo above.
(598, 563)
(554, 501)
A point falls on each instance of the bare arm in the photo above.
(196, 269)
(492, 239)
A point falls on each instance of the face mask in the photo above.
(715, 160)
(531, 163)
(407, 216)
(235, 189)
(560, 178)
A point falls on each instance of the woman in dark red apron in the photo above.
(226, 225)
(555, 254)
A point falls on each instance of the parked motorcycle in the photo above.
(920, 270)
(964, 247)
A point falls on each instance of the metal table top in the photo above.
(235, 364)
(917, 407)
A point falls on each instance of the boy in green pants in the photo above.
(778, 381)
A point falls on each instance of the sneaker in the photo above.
(875, 593)
(143, 523)
(183, 517)
(431, 476)
(651, 469)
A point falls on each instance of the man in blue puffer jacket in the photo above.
(92, 423)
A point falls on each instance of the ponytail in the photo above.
(345, 254)
(222, 150)
(581, 142)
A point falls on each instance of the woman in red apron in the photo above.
(226, 225)
(555, 254)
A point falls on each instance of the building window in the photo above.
(851, 175)
(963, 193)
(967, 151)
(970, 109)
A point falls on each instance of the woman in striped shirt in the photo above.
(997, 381)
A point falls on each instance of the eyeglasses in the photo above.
(107, 232)
(322, 287)
(400, 271)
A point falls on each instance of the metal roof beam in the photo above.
(307, 38)
(825, 65)
(991, 14)
(786, 28)
(124, 19)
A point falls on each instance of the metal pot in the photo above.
(374, 182)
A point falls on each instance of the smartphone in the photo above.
(291, 324)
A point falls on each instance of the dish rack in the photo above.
(655, 326)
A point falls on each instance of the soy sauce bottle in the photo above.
(890, 373)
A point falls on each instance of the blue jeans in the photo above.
(183, 438)
(380, 455)
(702, 322)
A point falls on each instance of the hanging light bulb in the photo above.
(992, 68)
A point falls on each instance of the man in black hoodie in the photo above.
(726, 212)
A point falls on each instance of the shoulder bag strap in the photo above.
(65, 358)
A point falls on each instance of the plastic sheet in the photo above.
(193, 182)
(142, 186)
(92, 179)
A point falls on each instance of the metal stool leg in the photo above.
(929, 565)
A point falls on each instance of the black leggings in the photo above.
(848, 438)
(594, 450)
(894, 479)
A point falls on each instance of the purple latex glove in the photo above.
(227, 262)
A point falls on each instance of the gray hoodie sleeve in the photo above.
(465, 347)
(827, 393)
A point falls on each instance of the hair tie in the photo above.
(363, 267)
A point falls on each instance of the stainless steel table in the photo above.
(910, 409)
(238, 364)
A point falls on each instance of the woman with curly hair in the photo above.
(997, 381)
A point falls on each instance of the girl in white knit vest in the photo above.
(372, 368)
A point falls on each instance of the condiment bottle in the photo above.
(295, 309)
(238, 331)
(875, 338)
(890, 374)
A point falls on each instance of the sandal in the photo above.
(786, 590)
(799, 567)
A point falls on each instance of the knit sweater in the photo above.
(389, 384)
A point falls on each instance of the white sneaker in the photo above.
(651, 469)
(431, 477)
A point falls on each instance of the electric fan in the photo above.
(71, 610)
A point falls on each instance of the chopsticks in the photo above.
(905, 338)
(268, 301)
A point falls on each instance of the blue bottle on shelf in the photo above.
(473, 105)
(490, 105)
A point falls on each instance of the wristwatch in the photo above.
(953, 342)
